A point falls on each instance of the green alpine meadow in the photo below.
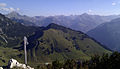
(59, 34)
(46, 44)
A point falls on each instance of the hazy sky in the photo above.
(60, 7)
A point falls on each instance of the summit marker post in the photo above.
(25, 52)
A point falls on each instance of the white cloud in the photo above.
(5, 8)
(11, 9)
(17, 9)
(89, 10)
(3, 4)
(113, 3)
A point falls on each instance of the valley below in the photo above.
(59, 34)
(46, 44)
(53, 46)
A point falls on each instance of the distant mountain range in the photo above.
(83, 22)
(53, 42)
(108, 34)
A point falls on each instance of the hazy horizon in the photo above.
(61, 7)
(59, 14)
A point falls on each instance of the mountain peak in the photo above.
(52, 24)
(13, 14)
(55, 26)
(85, 14)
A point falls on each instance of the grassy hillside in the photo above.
(8, 53)
(57, 42)
(11, 33)
(46, 44)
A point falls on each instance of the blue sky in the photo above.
(60, 7)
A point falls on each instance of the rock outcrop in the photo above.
(1, 67)
(14, 63)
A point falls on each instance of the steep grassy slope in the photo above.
(8, 53)
(11, 33)
(11, 36)
(58, 42)
(45, 43)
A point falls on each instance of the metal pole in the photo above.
(25, 43)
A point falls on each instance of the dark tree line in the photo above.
(106, 61)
